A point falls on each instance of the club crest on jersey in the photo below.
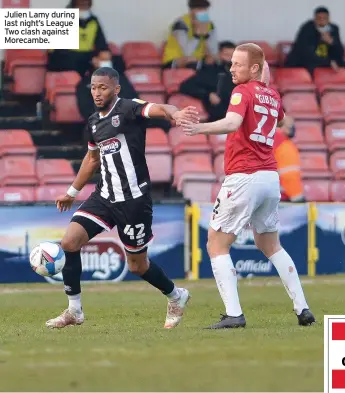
(110, 146)
(115, 121)
(236, 98)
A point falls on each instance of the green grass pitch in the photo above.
(122, 346)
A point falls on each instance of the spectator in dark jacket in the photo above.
(317, 44)
(213, 83)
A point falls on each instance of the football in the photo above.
(47, 259)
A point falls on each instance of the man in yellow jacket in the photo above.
(192, 38)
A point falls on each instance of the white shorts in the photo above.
(247, 199)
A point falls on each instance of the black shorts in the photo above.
(133, 219)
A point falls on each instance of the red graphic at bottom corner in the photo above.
(338, 379)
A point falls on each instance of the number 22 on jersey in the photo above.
(257, 135)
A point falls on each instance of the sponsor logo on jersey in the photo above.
(115, 121)
(236, 98)
(110, 146)
(102, 260)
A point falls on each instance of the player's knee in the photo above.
(137, 263)
(71, 244)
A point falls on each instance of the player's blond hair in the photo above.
(255, 53)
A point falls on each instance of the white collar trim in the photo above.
(102, 117)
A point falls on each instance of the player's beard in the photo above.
(105, 107)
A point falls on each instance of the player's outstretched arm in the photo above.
(229, 124)
(87, 169)
(173, 114)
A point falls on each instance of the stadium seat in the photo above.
(338, 191)
(335, 136)
(49, 193)
(54, 171)
(17, 171)
(87, 190)
(172, 78)
(27, 76)
(217, 143)
(157, 141)
(333, 103)
(11, 55)
(64, 105)
(218, 166)
(15, 3)
(194, 168)
(17, 194)
(146, 80)
(309, 136)
(160, 167)
(141, 54)
(283, 49)
(302, 106)
(337, 164)
(316, 190)
(326, 79)
(294, 80)
(215, 191)
(271, 55)
(181, 143)
(16, 142)
(54, 80)
(181, 101)
(156, 98)
(334, 118)
(314, 165)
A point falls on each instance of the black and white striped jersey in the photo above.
(120, 137)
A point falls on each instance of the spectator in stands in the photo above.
(317, 44)
(93, 49)
(288, 160)
(213, 83)
(192, 38)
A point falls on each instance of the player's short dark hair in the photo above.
(73, 4)
(321, 10)
(109, 72)
(226, 45)
(198, 4)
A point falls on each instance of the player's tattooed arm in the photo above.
(229, 124)
(173, 114)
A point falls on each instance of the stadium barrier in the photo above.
(312, 233)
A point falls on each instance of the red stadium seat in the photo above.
(17, 194)
(141, 54)
(15, 3)
(334, 118)
(294, 80)
(16, 142)
(172, 78)
(54, 80)
(157, 141)
(283, 49)
(314, 165)
(181, 143)
(316, 190)
(27, 76)
(326, 79)
(335, 136)
(217, 143)
(17, 170)
(87, 190)
(271, 54)
(338, 191)
(181, 101)
(54, 171)
(65, 106)
(337, 163)
(198, 190)
(302, 106)
(309, 136)
(11, 55)
(333, 103)
(156, 98)
(49, 193)
(160, 167)
(215, 191)
(219, 167)
(146, 80)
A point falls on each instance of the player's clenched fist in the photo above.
(64, 202)
(189, 113)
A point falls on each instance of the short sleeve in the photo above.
(281, 114)
(141, 108)
(91, 142)
(239, 101)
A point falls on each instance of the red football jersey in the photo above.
(250, 148)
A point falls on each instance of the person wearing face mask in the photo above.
(192, 38)
(213, 83)
(317, 44)
(93, 51)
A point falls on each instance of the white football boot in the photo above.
(68, 317)
(176, 308)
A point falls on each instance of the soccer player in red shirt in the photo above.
(250, 193)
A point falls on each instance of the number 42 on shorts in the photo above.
(135, 231)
